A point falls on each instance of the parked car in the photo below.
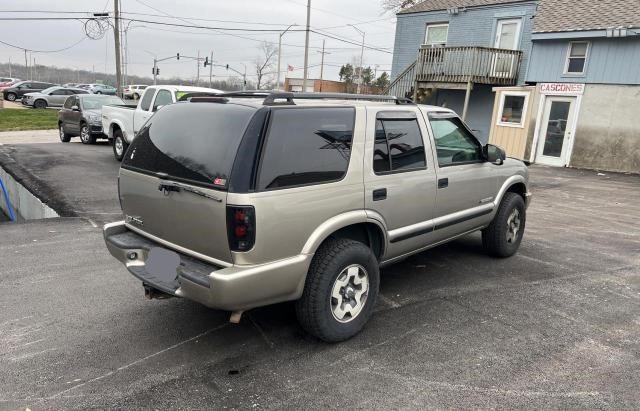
(103, 89)
(19, 89)
(51, 97)
(8, 84)
(5, 80)
(237, 203)
(134, 91)
(121, 123)
(84, 86)
(81, 116)
(70, 85)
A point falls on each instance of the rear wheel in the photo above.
(503, 236)
(119, 145)
(64, 137)
(85, 134)
(40, 104)
(98, 92)
(12, 96)
(340, 291)
(136, 96)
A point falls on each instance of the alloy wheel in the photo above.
(349, 293)
(513, 226)
(119, 146)
(84, 134)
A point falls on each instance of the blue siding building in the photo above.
(457, 50)
(584, 62)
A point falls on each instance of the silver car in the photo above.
(50, 97)
(242, 200)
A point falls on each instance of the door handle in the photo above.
(443, 183)
(380, 194)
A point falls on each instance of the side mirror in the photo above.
(75, 108)
(156, 108)
(494, 154)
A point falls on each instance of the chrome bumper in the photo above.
(228, 288)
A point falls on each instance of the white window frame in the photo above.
(503, 95)
(500, 22)
(568, 56)
(426, 34)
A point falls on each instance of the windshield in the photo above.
(96, 102)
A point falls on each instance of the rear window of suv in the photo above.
(306, 146)
(190, 142)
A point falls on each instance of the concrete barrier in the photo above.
(26, 205)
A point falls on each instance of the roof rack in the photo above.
(272, 98)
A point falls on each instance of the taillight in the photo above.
(241, 227)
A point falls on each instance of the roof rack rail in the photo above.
(346, 96)
(272, 98)
(189, 96)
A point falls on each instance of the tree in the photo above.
(367, 76)
(382, 82)
(264, 63)
(346, 73)
(397, 5)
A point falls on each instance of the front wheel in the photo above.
(40, 104)
(119, 145)
(12, 96)
(85, 135)
(340, 291)
(64, 137)
(503, 236)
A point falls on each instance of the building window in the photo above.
(513, 108)
(577, 57)
(436, 34)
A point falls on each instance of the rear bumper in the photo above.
(228, 288)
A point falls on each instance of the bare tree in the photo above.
(397, 5)
(264, 62)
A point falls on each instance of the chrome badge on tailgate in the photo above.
(134, 219)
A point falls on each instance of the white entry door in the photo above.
(556, 131)
(507, 38)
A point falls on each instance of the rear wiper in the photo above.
(167, 188)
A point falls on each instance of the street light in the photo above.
(126, 48)
(361, 57)
(280, 53)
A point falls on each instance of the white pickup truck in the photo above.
(121, 123)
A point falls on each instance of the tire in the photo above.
(64, 137)
(85, 134)
(40, 104)
(98, 92)
(503, 236)
(334, 268)
(136, 96)
(119, 145)
(12, 96)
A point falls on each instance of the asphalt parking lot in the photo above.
(556, 326)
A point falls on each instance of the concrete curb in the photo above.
(26, 205)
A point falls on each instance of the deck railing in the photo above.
(483, 65)
(404, 83)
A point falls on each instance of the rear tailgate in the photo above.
(174, 176)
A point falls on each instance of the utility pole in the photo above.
(10, 67)
(93, 69)
(211, 71)
(116, 37)
(360, 77)
(306, 48)
(26, 63)
(280, 54)
(35, 69)
(322, 64)
(244, 78)
(198, 69)
(155, 71)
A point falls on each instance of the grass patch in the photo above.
(12, 119)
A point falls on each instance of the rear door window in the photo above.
(306, 146)
(191, 142)
(145, 103)
(398, 143)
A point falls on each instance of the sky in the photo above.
(146, 39)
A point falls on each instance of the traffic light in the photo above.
(206, 61)
(177, 56)
(227, 67)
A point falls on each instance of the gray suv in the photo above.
(248, 199)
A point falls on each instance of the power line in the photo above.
(43, 51)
